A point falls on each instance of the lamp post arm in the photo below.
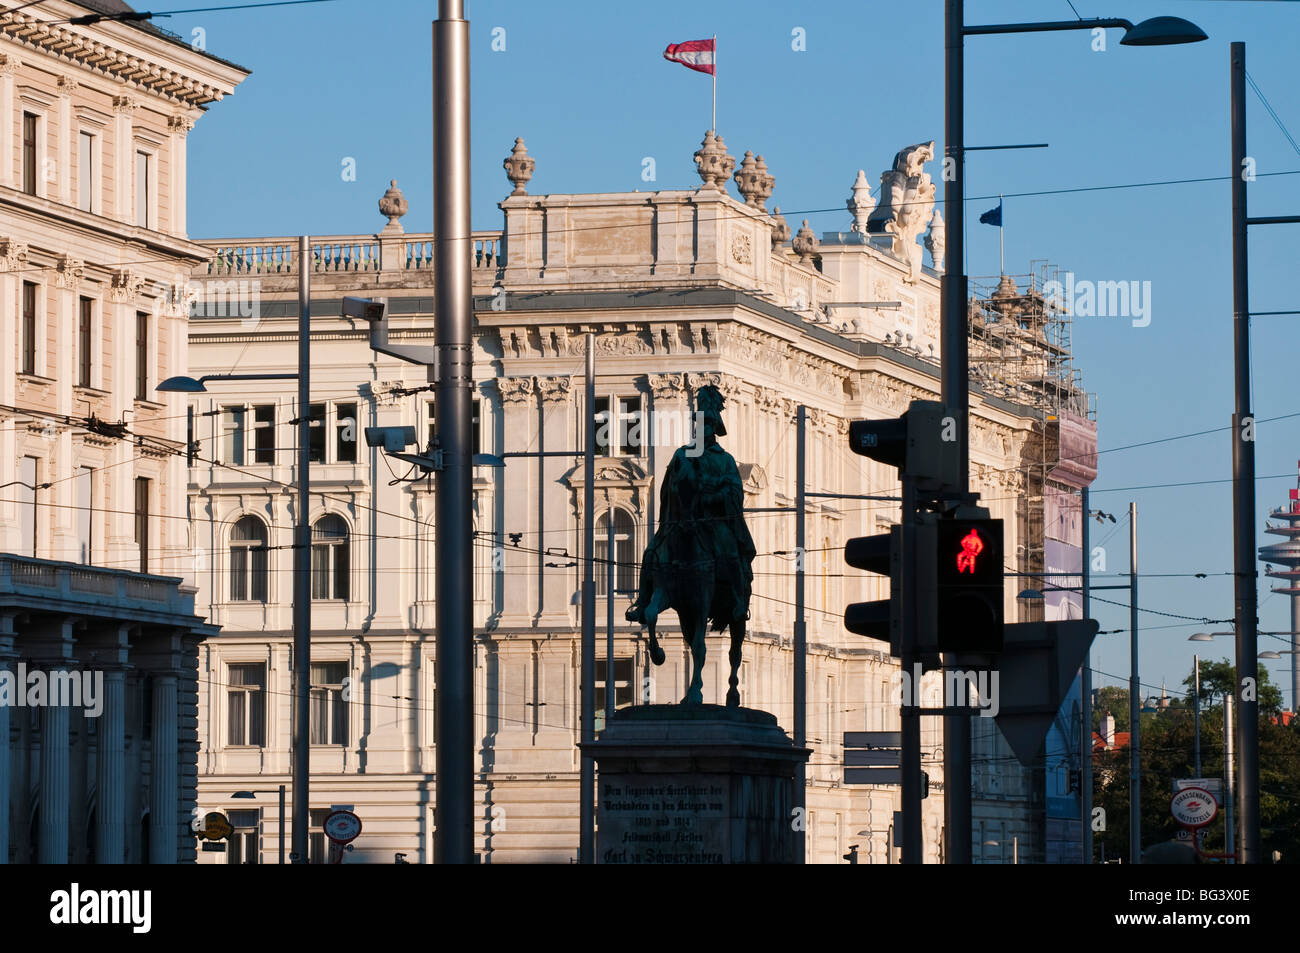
(1050, 26)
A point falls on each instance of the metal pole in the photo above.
(453, 374)
(955, 393)
(609, 617)
(587, 779)
(282, 824)
(800, 633)
(302, 569)
(910, 715)
(1229, 828)
(1196, 708)
(1295, 644)
(1243, 485)
(1085, 728)
(1134, 699)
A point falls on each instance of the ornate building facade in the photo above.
(93, 121)
(679, 288)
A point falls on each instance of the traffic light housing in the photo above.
(881, 619)
(922, 444)
(968, 584)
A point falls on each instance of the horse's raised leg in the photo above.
(737, 643)
(658, 602)
(693, 630)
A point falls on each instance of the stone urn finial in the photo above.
(713, 163)
(860, 203)
(780, 229)
(519, 166)
(393, 204)
(935, 241)
(804, 244)
(753, 181)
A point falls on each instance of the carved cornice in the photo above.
(554, 390)
(36, 32)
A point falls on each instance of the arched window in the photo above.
(329, 558)
(249, 569)
(625, 559)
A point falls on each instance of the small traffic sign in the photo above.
(1193, 807)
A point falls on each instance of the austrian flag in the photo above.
(693, 54)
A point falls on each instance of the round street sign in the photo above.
(216, 826)
(1193, 807)
(342, 826)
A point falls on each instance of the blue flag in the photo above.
(993, 216)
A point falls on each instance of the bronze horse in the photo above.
(699, 561)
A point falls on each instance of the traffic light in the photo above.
(881, 619)
(921, 444)
(968, 584)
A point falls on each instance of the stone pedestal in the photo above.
(699, 784)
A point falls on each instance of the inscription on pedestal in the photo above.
(667, 820)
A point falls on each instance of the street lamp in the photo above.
(252, 794)
(954, 360)
(301, 544)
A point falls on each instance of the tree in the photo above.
(1220, 678)
(1114, 699)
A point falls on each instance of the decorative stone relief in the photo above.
(180, 125)
(9, 63)
(68, 271)
(125, 286)
(515, 390)
(68, 85)
(742, 250)
(554, 390)
(713, 163)
(906, 200)
(13, 254)
(519, 166)
(666, 386)
(124, 104)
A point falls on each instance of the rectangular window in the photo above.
(345, 431)
(86, 172)
(622, 686)
(85, 514)
(246, 705)
(476, 425)
(31, 129)
(329, 710)
(318, 844)
(618, 426)
(29, 473)
(142, 520)
(433, 423)
(85, 342)
(243, 840)
(232, 435)
(630, 438)
(29, 327)
(143, 188)
(142, 355)
(264, 433)
(316, 436)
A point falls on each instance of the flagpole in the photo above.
(1002, 255)
(715, 84)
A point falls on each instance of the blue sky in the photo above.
(585, 84)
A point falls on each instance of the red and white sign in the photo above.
(693, 54)
(1193, 807)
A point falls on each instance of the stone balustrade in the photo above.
(340, 254)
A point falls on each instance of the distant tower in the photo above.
(1287, 556)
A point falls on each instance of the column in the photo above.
(519, 501)
(8, 67)
(110, 772)
(162, 783)
(124, 164)
(558, 527)
(179, 127)
(54, 802)
(64, 188)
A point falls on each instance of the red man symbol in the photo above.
(972, 546)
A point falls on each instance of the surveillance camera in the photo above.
(371, 311)
(392, 439)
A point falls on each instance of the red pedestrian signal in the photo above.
(971, 547)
